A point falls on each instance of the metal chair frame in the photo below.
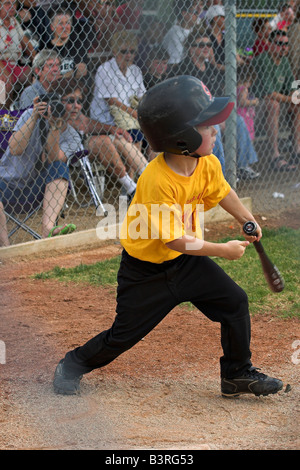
(92, 177)
(22, 224)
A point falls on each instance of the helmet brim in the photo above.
(217, 112)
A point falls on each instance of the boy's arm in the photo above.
(233, 249)
(188, 245)
(233, 205)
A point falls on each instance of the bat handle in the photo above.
(250, 228)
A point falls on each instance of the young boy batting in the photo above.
(165, 260)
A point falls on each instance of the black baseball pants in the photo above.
(147, 292)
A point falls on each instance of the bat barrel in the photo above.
(271, 272)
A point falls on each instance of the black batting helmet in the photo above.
(169, 112)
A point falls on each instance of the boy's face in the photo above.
(208, 134)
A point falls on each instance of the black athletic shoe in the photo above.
(251, 381)
(65, 383)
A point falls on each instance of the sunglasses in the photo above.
(202, 44)
(127, 51)
(72, 100)
(281, 43)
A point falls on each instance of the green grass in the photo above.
(282, 246)
(103, 273)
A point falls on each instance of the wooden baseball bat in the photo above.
(271, 272)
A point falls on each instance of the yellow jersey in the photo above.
(167, 206)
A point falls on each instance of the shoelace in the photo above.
(253, 372)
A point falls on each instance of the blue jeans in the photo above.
(218, 150)
(246, 154)
(22, 199)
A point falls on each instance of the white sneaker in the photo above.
(247, 173)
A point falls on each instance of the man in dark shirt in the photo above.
(274, 86)
(198, 61)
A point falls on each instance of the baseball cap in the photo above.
(213, 11)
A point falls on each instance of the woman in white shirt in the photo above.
(118, 87)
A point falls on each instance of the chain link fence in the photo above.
(72, 74)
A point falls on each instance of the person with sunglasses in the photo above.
(198, 58)
(274, 86)
(198, 62)
(118, 88)
(110, 145)
(34, 169)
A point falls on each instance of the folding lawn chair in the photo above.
(8, 120)
(80, 160)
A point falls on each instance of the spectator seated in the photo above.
(34, 166)
(35, 21)
(13, 44)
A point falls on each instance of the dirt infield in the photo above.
(162, 394)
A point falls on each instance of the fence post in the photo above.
(230, 146)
